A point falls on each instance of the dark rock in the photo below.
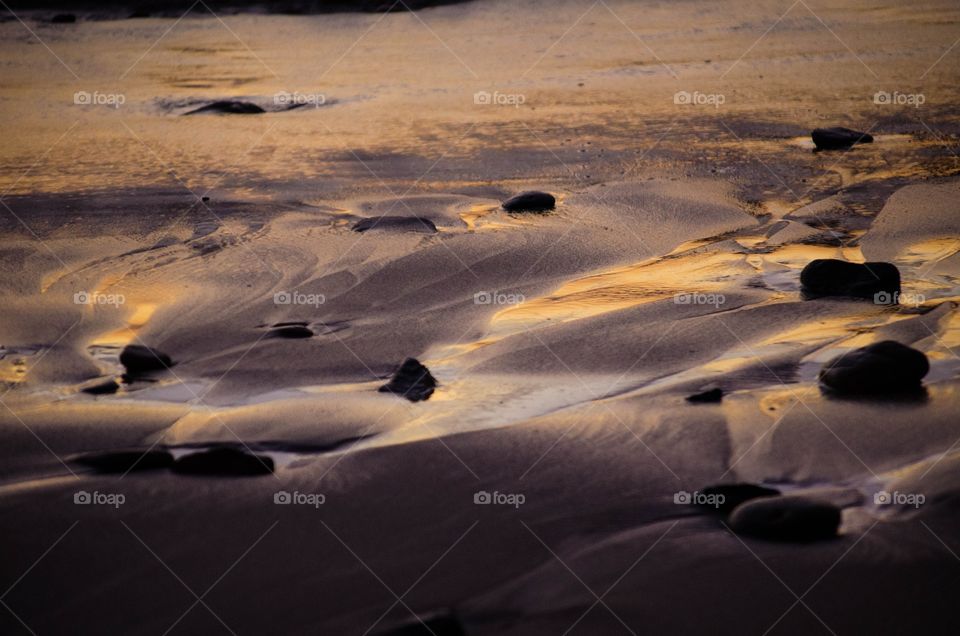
(227, 462)
(798, 519)
(440, 625)
(736, 494)
(838, 138)
(398, 223)
(885, 367)
(831, 277)
(228, 107)
(106, 387)
(532, 201)
(140, 359)
(290, 331)
(412, 380)
(706, 397)
(63, 18)
(126, 460)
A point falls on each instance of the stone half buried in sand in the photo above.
(138, 359)
(440, 624)
(877, 281)
(729, 496)
(883, 368)
(224, 462)
(124, 461)
(838, 138)
(531, 201)
(396, 224)
(412, 381)
(791, 518)
(227, 107)
(710, 396)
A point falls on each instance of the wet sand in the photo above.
(564, 344)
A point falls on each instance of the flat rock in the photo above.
(228, 107)
(123, 461)
(793, 518)
(886, 367)
(876, 281)
(224, 462)
(290, 332)
(736, 494)
(140, 359)
(531, 201)
(106, 387)
(440, 625)
(397, 224)
(706, 397)
(412, 381)
(838, 138)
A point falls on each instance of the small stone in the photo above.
(412, 380)
(706, 397)
(736, 494)
(838, 138)
(532, 201)
(886, 367)
(123, 461)
(396, 223)
(290, 332)
(106, 387)
(228, 107)
(877, 281)
(792, 518)
(225, 462)
(140, 359)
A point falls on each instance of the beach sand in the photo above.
(675, 137)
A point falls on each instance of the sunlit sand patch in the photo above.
(645, 282)
(925, 253)
(123, 336)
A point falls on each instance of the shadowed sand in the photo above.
(564, 344)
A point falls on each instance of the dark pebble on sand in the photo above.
(441, 625)
(796, 519)
(399, 223)
(706, 397)
(886, 367)
(107, 387)
(532, 201)
(140, 359)
(291, 332)
(225, 462)
(877, 281)
(63, 18)
(838, 138)
(228, 107)
(412, 381)
(126, 460)
(736, 494)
